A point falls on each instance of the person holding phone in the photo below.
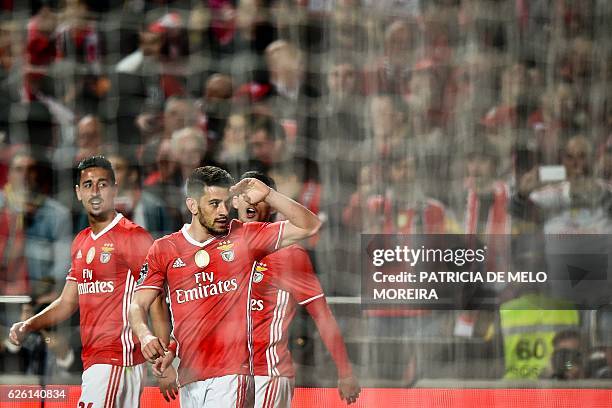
(571, 200)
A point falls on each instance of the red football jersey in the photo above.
(281, 281)
(208, 287)
(105, 267)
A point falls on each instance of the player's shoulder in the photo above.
(131, 230)
(130, 226)
(173, 240)
(237, 227)
(82, 235)
(290, 254)
(292, 250)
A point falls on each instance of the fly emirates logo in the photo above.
(96, 286)
(205, 287)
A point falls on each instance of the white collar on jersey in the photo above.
(108, 227)
(192, 241)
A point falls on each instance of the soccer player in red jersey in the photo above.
(105, 260)
(206, 269)
(281, 281)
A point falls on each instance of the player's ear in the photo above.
(192, 205)
(77, 191)
(235, 202)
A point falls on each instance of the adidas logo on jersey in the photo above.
(178, 263)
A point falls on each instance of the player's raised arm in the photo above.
(152, 346)
(59, 310)
(302, 223)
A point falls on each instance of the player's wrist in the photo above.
(345, 373)
(270, 195)
(146, 337)
(27, 326)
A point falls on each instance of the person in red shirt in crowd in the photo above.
(106, 258)
(205, 270)
(40, 50)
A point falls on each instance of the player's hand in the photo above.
(19, 331)
(167, 383)
(349, 389)
(251, 190)
(152, 347)
(162, 363)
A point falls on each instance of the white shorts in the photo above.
(273, 392)
(219, 392)
(110, 386)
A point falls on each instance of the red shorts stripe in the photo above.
(273, 392)
(116, 387)
(109, 388)
(240, 392)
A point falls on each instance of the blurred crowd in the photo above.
(412, 116)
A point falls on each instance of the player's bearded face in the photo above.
(213, 210)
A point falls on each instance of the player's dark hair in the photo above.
(264, 178)
(95, 161)
(207, 176)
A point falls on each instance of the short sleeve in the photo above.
(152, 273)
(296, 274)
(70, 275)
(263, 237)
(73, 250)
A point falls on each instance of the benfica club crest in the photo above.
(227, 251)
(105, 256)
(258, 275)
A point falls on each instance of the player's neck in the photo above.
(198, 232)
(98, 223)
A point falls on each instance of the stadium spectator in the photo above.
(134, 202)
(145, 57)
(215, 107)
(267, 141)
(530, 318)
(552, 205)
(232, 154)
(566, 361)
(40, 50)
(188, 149)
(292, 97)
(35, 228)
(166, 183)
(390, 73)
